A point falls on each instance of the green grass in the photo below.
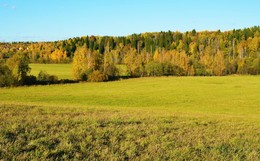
(63, 71)
(168, 118)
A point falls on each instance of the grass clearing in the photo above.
(167, 118)
(63, 71)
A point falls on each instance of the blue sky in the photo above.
(48, 20)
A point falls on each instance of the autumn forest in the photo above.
(192, 53)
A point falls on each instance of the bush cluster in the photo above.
(6, 77)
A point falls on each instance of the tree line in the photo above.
(192, 53)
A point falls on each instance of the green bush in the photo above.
(42, 76)
(6, 77)
(84, 75)
(154, 69)
(29, 80)
(47, 78)
(111, 71)
(178, 71)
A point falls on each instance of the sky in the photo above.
(50, 20)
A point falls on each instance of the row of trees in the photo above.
(165, 62)
(150, 54)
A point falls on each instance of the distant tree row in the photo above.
(150, 54)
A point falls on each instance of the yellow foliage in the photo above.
(180, 46)
(58, 55)
(219, 64)
(192, 47)
(156, 56)
(80, 60)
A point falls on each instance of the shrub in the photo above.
(178, 71)
(111, 71)
(154, 69)
(44, 77)
(84, 75)
(53, 79)
(29, 80)
(97, 76)
(66, 81)
(6, 77)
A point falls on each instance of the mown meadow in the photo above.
(163, 118)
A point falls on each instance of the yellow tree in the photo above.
(219, 64)
(180, 46)
(174, 56)
(183, 61)
(58, 55)
(242, 49)
(167, 56)
(156, 56)
(193, 47)
(207, 61)
(133, 61)
(81, 61)
(253, 45)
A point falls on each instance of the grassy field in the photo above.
(63, 71)
(167, 118)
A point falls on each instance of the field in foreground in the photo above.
(183, 118)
